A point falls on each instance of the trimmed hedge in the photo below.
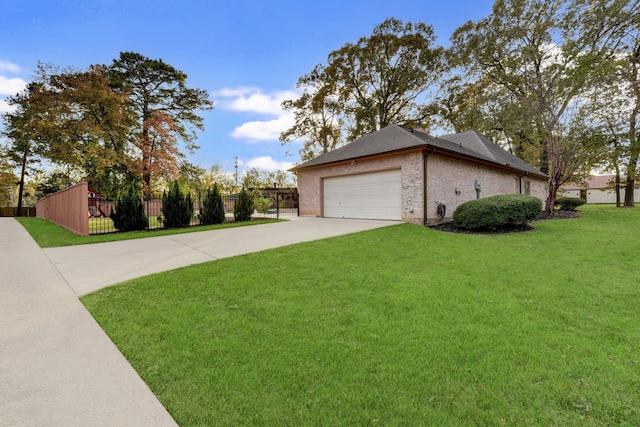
(496, 212)
(569, 203)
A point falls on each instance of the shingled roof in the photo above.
(395, 138)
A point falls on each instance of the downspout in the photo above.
(425, 185)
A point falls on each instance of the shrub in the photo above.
(243, 208)
(176, 207)
(129, 214)
(492, 213)
(569, 203)
(261, 203)
(212, 207)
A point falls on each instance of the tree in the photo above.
(212, 207)
(129, 214)
(164, 108)
(544, 53)
(318, 116)
(8, 180)
(22, 127)
(74, 120)
(177, 206)
(366, 86)
(262, 178)
(216, 176)
(243, 208)
(88, 126)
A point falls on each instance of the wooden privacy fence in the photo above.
(12, 211)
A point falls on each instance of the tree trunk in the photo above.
(23, 171)
(617, 187)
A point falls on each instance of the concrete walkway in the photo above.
(57, 367)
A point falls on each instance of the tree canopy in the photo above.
(366, 86)
(544, 54)
(165, 111)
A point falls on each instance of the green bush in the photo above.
(243, 209)
(129, 214)
(212, 211)
(177, 207)
(260, 202)
(569, 203)
(495, 212)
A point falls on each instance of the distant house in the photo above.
(596, 189)
(408, 175)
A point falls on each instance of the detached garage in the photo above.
(404, 174)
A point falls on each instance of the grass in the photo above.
(50, 235)
(397, 326)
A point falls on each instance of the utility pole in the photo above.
(236, 174)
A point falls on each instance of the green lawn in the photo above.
(50, 235)
(397, 326)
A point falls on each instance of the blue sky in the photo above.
(248, 54)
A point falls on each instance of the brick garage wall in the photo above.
(310, 182)
(445, 175)
(68, 208)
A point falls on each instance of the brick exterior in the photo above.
(444, 176)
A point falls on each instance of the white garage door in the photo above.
(373, 195)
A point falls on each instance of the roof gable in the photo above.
(395, 138)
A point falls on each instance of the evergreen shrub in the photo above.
(129, 210)
(497, 212)
(177, 207)
(569, 203)
(243, 209)
(212, 211)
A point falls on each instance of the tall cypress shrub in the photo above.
(177, 207)
(243, 208)
(129, 214)
(212, 207)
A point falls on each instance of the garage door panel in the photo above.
(374, 195)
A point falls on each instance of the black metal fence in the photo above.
(276, 203)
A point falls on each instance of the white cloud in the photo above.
(4, 107)
(266, 130)
(11, 86)
(254, 100)
(268, 163)
(8, 66)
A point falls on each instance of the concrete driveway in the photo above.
(87, 268)
(57, 366)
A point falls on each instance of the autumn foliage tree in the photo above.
(165, 112)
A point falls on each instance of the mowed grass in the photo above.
(50, 235)
(397, 326)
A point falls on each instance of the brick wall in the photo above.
(68, 208)
(444, 176)
(310, 182)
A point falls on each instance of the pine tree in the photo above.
(176, 207)
(243, 208)
(212, 207)
(129, 214)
